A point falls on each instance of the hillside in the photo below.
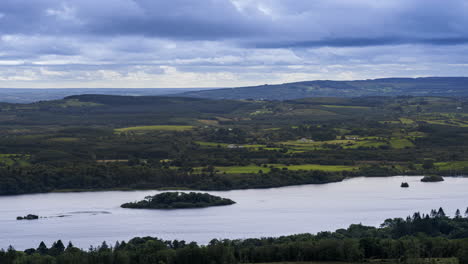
(431, 86)
(90, 142)
(115, 110)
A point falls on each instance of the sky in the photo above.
(226, 43)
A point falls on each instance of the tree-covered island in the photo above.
(178, 200)
(432, 178)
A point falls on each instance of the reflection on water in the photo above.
(92, 217)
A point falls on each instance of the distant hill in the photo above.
(12, 95)
(430, 86)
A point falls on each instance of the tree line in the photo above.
(418, 237)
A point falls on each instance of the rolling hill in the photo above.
(429, 86)
(25, 95)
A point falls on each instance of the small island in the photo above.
(28, 217)
(404, 185)
(432, 178)
(178, 200)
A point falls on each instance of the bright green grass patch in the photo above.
(451, 165)
(401, 143)
(366, 144)
(242, 169)
(406, 121)
(315, 143)
(272, 149)
(154, 128)
(256, 146)
(447, 122)
(211, 144)
(345, 143)
(12, 159)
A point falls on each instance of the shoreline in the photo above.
(123, 189)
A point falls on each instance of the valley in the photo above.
(101, 142)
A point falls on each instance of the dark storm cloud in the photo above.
(181, 19)
(262, 23)
(182, 43)
(184, 19)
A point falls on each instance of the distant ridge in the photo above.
(427, 86)
(25, 95)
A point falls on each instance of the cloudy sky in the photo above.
(221, 43)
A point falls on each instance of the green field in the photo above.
(366, 144)
(452, 165)
(400, 143)
(242, 169)
(296, 146)
(11, 159)
(154, 128)
(77, 103)
(406, 121)
(447, 123)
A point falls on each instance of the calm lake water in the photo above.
(93, 217)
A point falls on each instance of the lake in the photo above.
(88, 218)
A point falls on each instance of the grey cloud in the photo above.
(245, 40)
(258, 23)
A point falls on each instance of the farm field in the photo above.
(175, 142)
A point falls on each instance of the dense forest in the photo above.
(417, 239)
(123, 142)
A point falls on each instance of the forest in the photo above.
(102, 142)
(420, 238)
(178, 200)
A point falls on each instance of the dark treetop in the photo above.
(176, 200)
(432, 178)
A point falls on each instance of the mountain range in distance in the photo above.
(425, 86)
(25, 95)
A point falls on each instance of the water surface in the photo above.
(89, 218)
